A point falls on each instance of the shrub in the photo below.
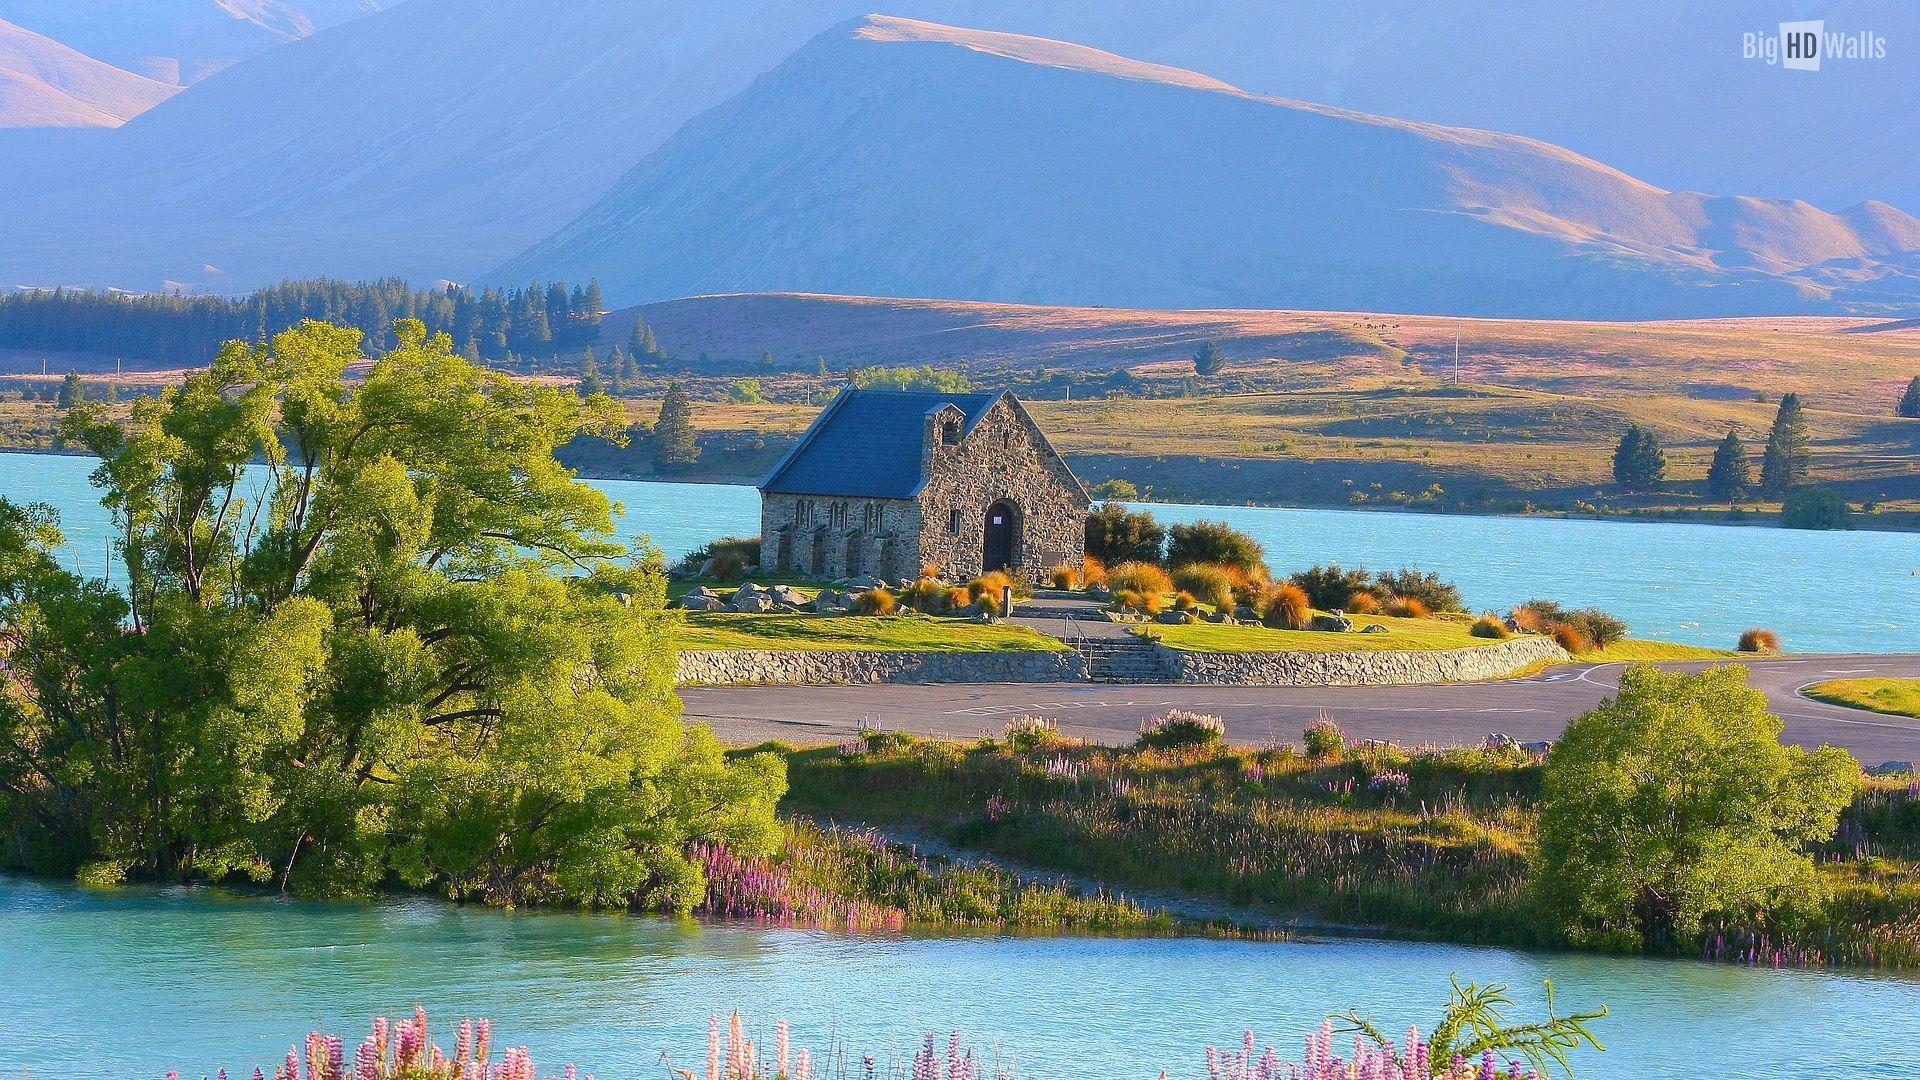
(1599, 627)
(1816, 508)
(1178, 729)
(927, 595)
(1328, 587)
(1140, 577)
(1489, 625)
(880, 601)
(1324, 738)
(1757, 640)
(1116, 534)
(1361, 603)
(1287, 608)
(1029, 733)
(1425, 586)
(727, 566)
(1570, 638)
(740, 551)
(1210, 583)
(1406, 607)
(1214, 542)
(1538, 616)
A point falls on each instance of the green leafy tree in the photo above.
(1208, 360)
(1729, 477)
(924, 377)
(1674, 802)
(745, 392)
(1909, 403)
(1214, 542)
(417, 657)
(1638, 461)
(1789, 450)
(72, 391)
(676, 445)
(1116, 534)
(1817, 507)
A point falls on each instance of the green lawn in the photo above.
(1421, 634)
(1638, 651)
(835, 633)
(1895, 697)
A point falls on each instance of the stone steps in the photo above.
(1120, 661)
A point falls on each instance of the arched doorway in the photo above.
(1002, 547)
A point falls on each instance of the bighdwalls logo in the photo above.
(1800, 46)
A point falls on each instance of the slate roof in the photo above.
(867, 444)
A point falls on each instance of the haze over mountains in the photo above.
(896, 157)
(179, 42)
(440, 138)
(45, 84)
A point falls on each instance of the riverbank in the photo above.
(1427, 843)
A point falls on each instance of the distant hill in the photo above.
(180, 42)
(45, 84)
(896, 157)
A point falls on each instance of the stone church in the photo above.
(886, 482)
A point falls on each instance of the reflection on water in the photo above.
(1823, 592)
(131, 982)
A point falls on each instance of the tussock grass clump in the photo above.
(1128, 600)
(1287, 608)
(1210, 583)
(928, 595)
(1177, 729)
(1491, 626)
(1184, 601)
(958, 597)
(1758, 640)
(1140, 577)
(1362, 603)
(880, 601)
(1570, 638)
(1407, 607)
(1067, 576)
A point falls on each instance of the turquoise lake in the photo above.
(1703, 584)
(130, 983)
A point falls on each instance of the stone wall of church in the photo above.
(1002, 459)
(826, 538)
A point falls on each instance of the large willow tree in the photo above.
(367, 631)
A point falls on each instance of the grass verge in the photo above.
(1894, 697)
(840, 633)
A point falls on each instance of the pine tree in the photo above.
(1638, 461)
(1729, 476)
(675, 446)
(1909, 405)
(616, 372)
(820, 367)
(591, 304)
(766, 360)
(1789, 450)
(1208, 360)
(71, 391)
(590, 382)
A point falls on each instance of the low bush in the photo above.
(1181, 729)
(1599, 627)
(880, 601)
(1425, 586)
(1210, 583)
(1406, 607)
(1287, 608)
(927, 595)
(1569, 637)
(1815, 508)
(1140, 577)
(732, 557)
(1323, 738)
(1596, 627)
(1757, 640)
(1328, 587)
(1214, 542)
(1362, 603)
(1489, 625)
(1026, 734)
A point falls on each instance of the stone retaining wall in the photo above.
(723, 667)
(1382, 668)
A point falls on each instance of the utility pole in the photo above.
(1456, 354)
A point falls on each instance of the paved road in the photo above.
(1527, 709)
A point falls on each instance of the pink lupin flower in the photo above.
(802, 1066)
(780, 1049)
(482, 1033)
(463, 1042)
(713, 1048)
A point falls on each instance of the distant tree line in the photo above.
(179, 328)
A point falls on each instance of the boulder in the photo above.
(985, 618)
(1099, 591)
(863, 582)
(706, 569)
(757, 603)
(1333, 622)
(1891, 768)
(1246, 614)
(1175, 618)
(787, 594)
(1373, 628)
(691, 602)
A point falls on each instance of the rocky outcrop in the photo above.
(779, 667)
(1360, 668)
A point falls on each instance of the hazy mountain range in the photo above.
(444, 138)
